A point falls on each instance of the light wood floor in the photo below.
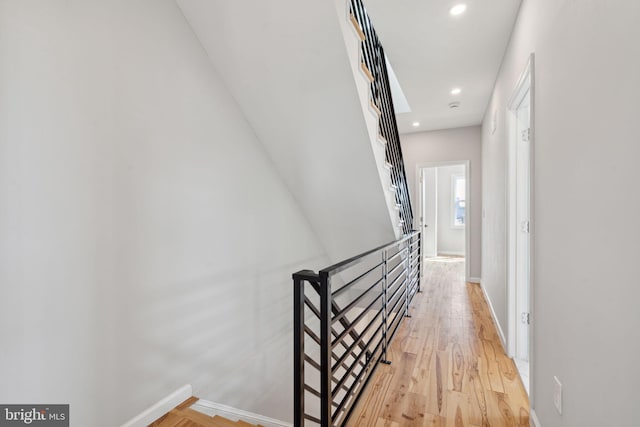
(183, 416)
(449, 368)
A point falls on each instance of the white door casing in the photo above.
(521, 223)
(420, 167)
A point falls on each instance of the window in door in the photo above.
(458, 202)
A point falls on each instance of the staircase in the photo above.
(183, 416)
(291, 68)
(286, 65)
(369, 67)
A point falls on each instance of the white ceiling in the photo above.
(432, 52)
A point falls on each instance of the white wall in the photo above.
(443, 146)
(146, 239)
(451, 241)
(587, 241)
(288, 68)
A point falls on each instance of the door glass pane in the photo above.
(459, 203)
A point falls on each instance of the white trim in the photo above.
(372, 109)
(234, 414)
(525, 84)
(450, 253)
(160, 408)
(533, 419)
(494, 317)
(475, 280)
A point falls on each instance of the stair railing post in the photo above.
(385, 343)
(298, 350)
(419, 261)
(407, 277)
(325, 350)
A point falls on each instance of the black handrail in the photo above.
(373, 58)
(336, 350)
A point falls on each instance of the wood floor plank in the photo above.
(457, 367)
(401, 380)
(168, 420)
(374, 399)
(183, 422)
(492, 369)
(382, 422)
(223, 422)
(457, 409)
(184, 416)
(414, 410)
(449, 367)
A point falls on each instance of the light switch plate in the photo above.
(557, 394)
(494, 121)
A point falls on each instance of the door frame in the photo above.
(525, 83)
(468, 207)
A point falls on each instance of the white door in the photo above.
(429, 212)
(523, 218)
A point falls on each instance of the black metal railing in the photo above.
(373, 57)
(344, 319)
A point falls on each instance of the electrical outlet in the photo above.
(557, 394)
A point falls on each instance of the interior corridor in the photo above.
(448, 365)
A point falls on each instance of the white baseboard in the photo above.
(234, 414)
(160, 408)
(533, 419)
(495, 319)
(474, 280)
(450, 253)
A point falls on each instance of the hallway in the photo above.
(448, 366)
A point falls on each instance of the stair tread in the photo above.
(246, 424)
(169, 419)
(187, 403)
(367, 72)
(185, 422)
(375, 107)
(199, 417)
(224, 422)
(357, 27)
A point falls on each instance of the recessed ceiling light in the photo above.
(415, 124)
(455, 91)
(458, 9)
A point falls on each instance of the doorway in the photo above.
(444, 209)
(520, 225)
